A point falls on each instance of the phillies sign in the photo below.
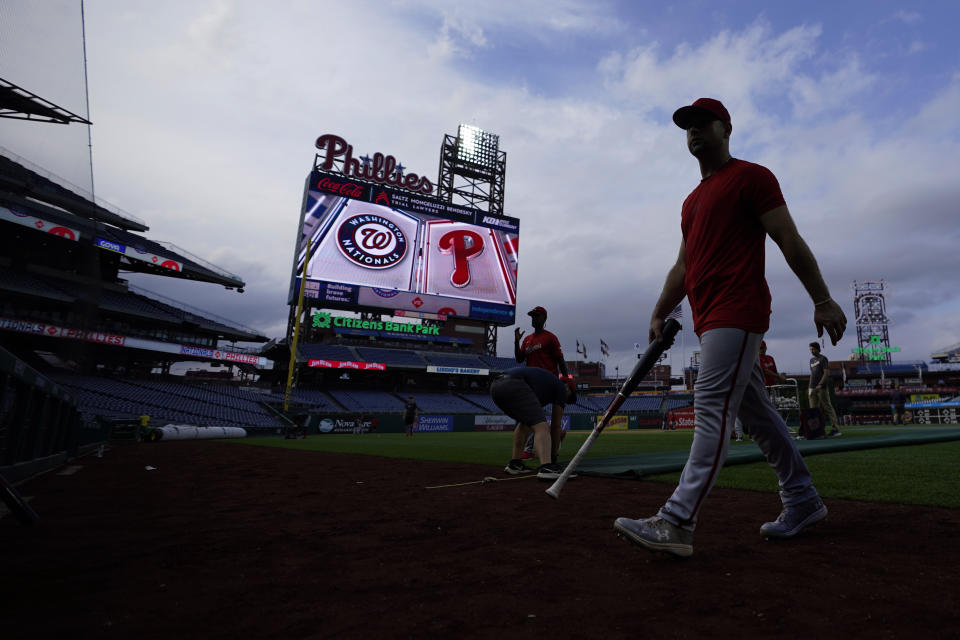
(382, 169)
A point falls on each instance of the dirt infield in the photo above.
(232, 541)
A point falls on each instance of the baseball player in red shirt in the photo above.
(770, 374)
(541, 348)
(720, 269)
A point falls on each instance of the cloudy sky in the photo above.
(205, 114)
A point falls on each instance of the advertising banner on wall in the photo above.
(373, 246)
(462, 371)
(347, 364)
(38, 224)
(137, 254)
(617, 423)
(117, 340)
(434, 423)
(493, 423)
(681, 418)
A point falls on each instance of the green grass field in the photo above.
(921, 475)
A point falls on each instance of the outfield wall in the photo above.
(320, 423)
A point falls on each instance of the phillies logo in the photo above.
(380, 168)
(63, 232)
(464, 246)
(372, 241)
(348, 189)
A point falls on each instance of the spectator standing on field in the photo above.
(719, 268)
(539, 349)
(410, 413)
(820, 387)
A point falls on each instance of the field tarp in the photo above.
(638, 466)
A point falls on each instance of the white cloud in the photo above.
(908, 17)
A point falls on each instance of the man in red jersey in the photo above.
(770, 374)
(539, 349)
(720, 269)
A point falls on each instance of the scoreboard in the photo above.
(372, 247)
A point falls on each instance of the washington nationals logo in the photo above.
(372, 241)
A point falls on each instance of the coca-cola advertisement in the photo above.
(362, 245)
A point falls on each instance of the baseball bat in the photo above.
(16, 503)
(649, 358)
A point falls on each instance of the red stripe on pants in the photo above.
(723, 430)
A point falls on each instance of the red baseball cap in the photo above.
(537, 311)
(714, 109)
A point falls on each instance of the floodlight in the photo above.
(476, 146)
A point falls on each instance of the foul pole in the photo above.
(296, 329)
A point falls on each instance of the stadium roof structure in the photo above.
(20, 104)
(19, 176)
(947, 354)
(26, 192)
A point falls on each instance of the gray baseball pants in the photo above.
(730, 385)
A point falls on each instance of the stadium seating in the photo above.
(395, 357)
(329, 352)
(598, 403)
(357, 400)
(134, 305)
(678, 402)
(31, 284)
(642, 403)
(312, 398)
(496, 363)
(578, 408)
(165, 402)
(454, 360)
(482, 400)
(444, 403)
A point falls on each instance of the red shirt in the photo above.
(769, 370)
(725, 240)
(542, 350)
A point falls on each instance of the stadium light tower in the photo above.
(870, 309)
(472, 169)
(472, 172)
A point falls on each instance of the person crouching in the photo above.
(521, 393)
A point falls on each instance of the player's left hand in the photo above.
(830, 316)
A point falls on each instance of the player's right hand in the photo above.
(830, 316)
(517, 334)
(656, 329)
